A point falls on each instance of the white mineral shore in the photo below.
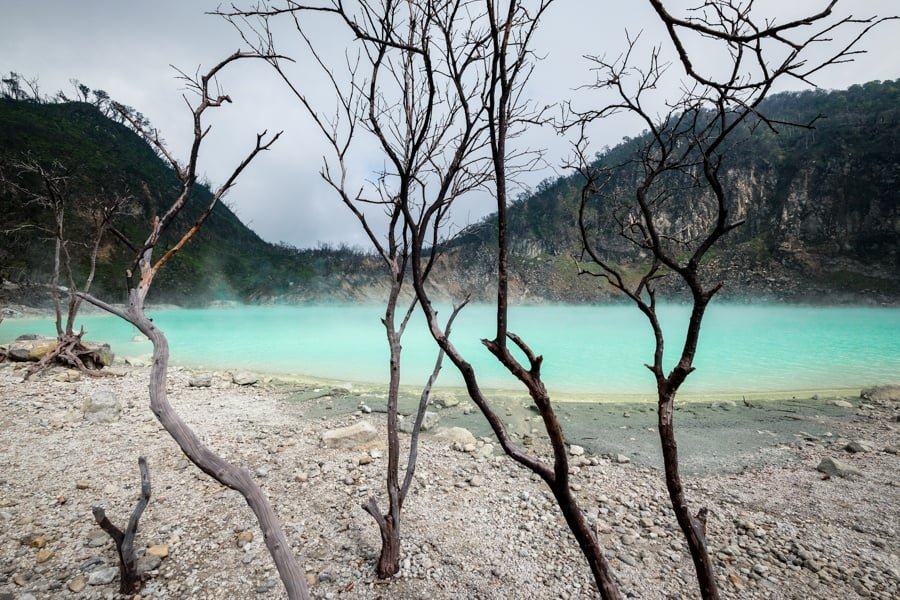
(475, 525)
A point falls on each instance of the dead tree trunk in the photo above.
(682, 154)
(131, 580)
(145, 269)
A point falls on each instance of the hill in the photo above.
(822, 208)
(227, 261)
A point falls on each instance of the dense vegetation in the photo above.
(822, 207)
(229, 261)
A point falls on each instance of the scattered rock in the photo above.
(428, 422)
(881, 393)
(836, 468)
(860, 446)
(352, 436)
(77, 584)
(103, 576)
(244, 378)
(459, 437)
(622, 459)
(841, 403)
(576, 450)
(445, 400)
(160, 550)
(101, 406)
(43, 555)
(244, 537)
(201, 380)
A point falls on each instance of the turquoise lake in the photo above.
(587, 349)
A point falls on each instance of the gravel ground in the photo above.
(475, 524)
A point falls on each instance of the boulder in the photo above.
(445, 400)
(882, 393)
(352, 436)
(836, 468)
(101, 407)
(428, 422)
(244, 378)
(102, 353)
(201, 380)
(860, 446)
(459, 437)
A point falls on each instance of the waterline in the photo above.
(744, 349)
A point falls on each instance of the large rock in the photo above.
(244, 377)
(457, 436)
(882, 393)
(860, 446)
(445, 400)
(102, 353)
(200, 380)
(837, 468)
(428, 422)
(30, 348)
(352, 436)
(101, 407)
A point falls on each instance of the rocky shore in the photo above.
(475, 525)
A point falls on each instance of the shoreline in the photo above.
(777, 527)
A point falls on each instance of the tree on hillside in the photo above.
(51, 195)
(679, 209)
(140, 278)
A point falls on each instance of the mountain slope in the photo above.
(822, 208)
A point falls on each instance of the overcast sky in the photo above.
(126, 47)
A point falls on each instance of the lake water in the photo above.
(587, 349)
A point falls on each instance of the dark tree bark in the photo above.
(683, 155)
(130, 579)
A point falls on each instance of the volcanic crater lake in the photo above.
(588, 350)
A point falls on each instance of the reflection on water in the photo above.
(586, 348)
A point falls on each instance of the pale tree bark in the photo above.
(682, 158)
(141, 277)
(442, 96)
(391, 52)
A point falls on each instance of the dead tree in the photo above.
(382, 94)
(58, 191)
(140, 280)
(679, 209)
(131, 580)
(442, 99)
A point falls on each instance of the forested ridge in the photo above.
(820, 203)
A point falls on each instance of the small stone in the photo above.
(364, 459)
(576, 450)
(262, 472)
(445, 400)
(622, 459)
(429, 421)
(148, 562)
(476, 481)
(244, 537)
(43, 555)
(244, 378)
(101, 407)
(38, 541)
(160, 550)
(841, 403)
(77, 584)
(103, 576)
